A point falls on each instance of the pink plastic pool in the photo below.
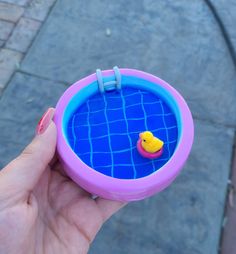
(114, 170)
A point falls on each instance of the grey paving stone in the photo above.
(229, 233)
(21, 106)
(17, 2)
(13, 138)
(9, 61)
(185, 218)
(10, 12)
(23, 34)
(1, 43)
(38, 9)
(5, 29)
(227, 12)
(191, 54)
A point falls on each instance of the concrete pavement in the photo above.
(177, 41)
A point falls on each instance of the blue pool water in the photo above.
(104, 131)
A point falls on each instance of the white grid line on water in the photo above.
(121, 119)
(73, 132)
(108, 132)
(146, 125)
(131, 148)
(128, 95)
(119, 108)
(131, 132)
(127, 128)
(89, 136)
(125, 96)
(122, 150)
(167, 134)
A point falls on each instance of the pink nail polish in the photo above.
(45, 121)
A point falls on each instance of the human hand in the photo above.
(41, 209)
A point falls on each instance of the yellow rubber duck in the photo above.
(150, 143)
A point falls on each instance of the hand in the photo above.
(41, 209)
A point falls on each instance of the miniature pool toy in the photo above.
(149, 146)
(99, 120)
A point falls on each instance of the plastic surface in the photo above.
(146, 154)
(103, 131)
(111, 187)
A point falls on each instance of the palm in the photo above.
(41, 209)
(68, 219)
(57, 216)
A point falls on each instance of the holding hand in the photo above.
(41, 209)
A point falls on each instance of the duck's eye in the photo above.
(144, 140)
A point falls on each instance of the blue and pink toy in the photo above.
(99, 120)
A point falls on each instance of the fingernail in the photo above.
(45, 121)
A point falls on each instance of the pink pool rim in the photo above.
(124, 189)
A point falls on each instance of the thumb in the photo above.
(23, 173)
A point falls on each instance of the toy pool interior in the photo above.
(102, 129)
